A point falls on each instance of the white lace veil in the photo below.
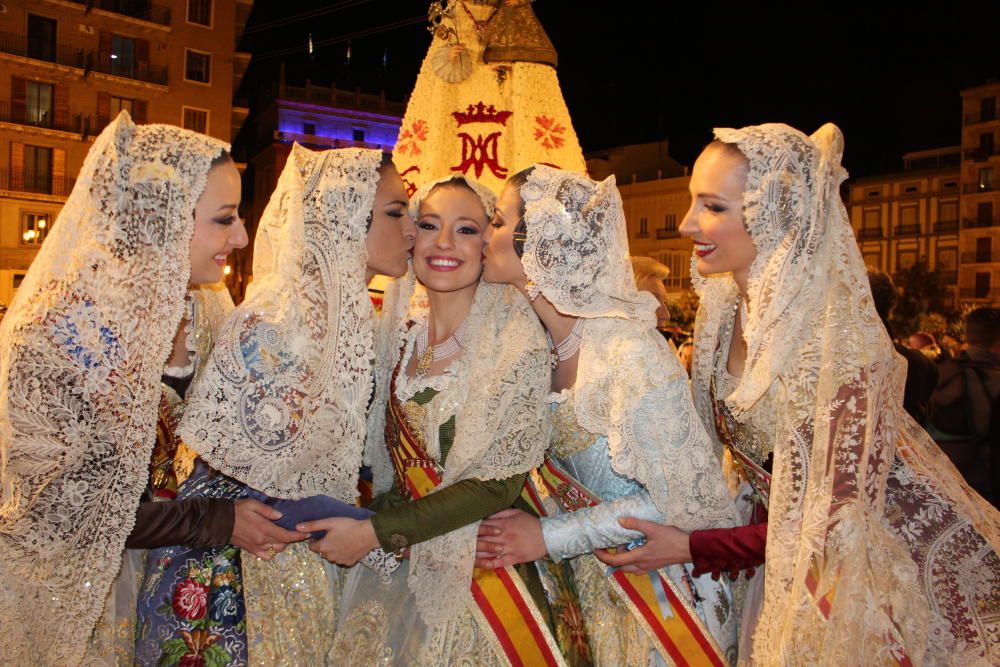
(867, 518)
(281, 404)
(501, 417)
(83, 348)
(630, 385)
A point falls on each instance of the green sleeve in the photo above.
(453, 507)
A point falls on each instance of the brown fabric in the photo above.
(194, 522)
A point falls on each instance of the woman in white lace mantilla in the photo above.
(458, 421)
(279, 415)
(626, 434)
(84, 345)
(877, 552)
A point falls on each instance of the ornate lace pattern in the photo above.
(866, 514)
(85, 343)
(281, 404)
(502, 425)
(629, 383)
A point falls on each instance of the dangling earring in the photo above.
(532, 290)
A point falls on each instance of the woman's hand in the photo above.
(665, 545)
(346, 541)
(254, 530)
(508, 538)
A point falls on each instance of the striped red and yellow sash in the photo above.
(669, 621)
(500, 594)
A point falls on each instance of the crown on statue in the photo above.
(480, 113)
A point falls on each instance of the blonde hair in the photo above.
(647, 267)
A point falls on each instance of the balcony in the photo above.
(979, 223)
(948, 277)
(137, 9)
(18, 45)
(50, 119)
(138, 71)
(907, 230)
(976, 188)
(974, 293)
(977, 257)
(35, 183)
(667, 234)
(978, 117)
(946, 226)
(979, 154)
(870, 234)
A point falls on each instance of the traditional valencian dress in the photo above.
(626, 439)
(448, 450)
(84, 345)
(279, 413)
(877, 552)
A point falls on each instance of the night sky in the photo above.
(889, 74)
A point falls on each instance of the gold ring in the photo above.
(270, 550)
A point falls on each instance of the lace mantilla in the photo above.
(281, 404)
(84, 346)
(629, 385)
(876, 548)
(502, 425)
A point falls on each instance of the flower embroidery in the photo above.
(547, 132)
(190, 599)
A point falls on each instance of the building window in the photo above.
(873, 259)
(982, 285)
(911, 188)
(309, 128)
(947, 260)
(34, 228)
(948, 211)
(196, 119)
(123, 56)
(41, 38)
(670, 222)
(16, 281)
(359, 135)
(37, 169)
(905, 259)
(984, 213)
(908, 215)
(987, 109)
(986, 143)
(871, 221)
(874, 193)
(200, 12)
(119, 104)
(643, 227)
(985, 179)
(951, 185)
(38, 103)
(984, 249)
(198, 66)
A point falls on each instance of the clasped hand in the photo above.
(346, 541)
(254, 529)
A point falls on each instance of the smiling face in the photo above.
(722, 243)
(502, 263)
(218, 229)
(448, 251)
(391, 233)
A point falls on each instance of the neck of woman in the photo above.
(448, 310)
(559, 327)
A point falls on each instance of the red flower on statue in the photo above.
(190, 599)
(548, 130)
(409, 138)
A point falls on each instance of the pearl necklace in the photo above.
(427, 354)
(570, 345)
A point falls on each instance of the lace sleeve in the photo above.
(574, 533)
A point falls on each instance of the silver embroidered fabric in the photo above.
(84, 346)
(629, 385)
(865, 512)
(282, 403)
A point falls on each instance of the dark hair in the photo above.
(222, 158)
(386, 161)
(517, 181)
(883, 293)
(982, 327)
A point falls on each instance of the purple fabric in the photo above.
(294, 512)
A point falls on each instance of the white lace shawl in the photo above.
(576, 253)
(502, 421)
(281, 405)
(83, 348)
(860, 495)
